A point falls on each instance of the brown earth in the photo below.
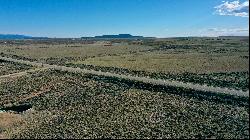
(8, 120)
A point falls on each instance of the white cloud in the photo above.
(234, 8)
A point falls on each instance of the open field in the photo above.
(124, 69)
(62, 53)
(47, 103)
(186, 60)
(154, 53)
(174, 63)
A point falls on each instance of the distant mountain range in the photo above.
(119, 36)
(17, 36)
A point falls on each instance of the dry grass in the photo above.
(8, 121)
(174, 63)
(62, 51)
(213, 56)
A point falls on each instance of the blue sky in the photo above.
(160, 18)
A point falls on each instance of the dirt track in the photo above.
(141, 79)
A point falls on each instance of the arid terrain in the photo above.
(149, 88)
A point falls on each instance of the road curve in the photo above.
(192, 86)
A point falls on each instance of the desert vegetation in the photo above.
(57, 104)
(88, 106)
(10, 67)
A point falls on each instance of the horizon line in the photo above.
(119, 34)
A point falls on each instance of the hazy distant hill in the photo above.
(231, 37)
(16, 36)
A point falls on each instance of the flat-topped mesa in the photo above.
(118, 36)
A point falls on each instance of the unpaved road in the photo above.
(192, 86)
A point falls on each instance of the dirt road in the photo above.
(192, 86)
